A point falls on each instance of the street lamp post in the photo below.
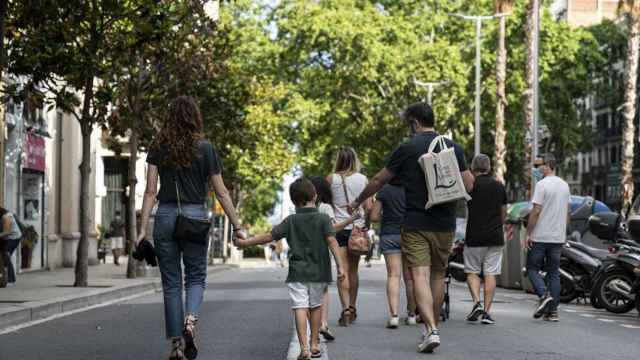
(478, 20)
(429, 85)
(536, 89)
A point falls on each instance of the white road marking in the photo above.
(587, 315)
(630, 326)
(607, 320)
(570, 311)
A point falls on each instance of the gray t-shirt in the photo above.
(552, 194)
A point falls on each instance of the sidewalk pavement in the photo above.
(41, 295)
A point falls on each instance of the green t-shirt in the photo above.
(306, 232)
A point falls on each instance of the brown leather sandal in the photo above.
(345, 318)
(354, 314)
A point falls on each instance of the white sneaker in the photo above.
(393, 322)
(430, 342)
(410, 320)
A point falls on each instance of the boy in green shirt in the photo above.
(308, 232)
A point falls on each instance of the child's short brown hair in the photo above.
(302, 191)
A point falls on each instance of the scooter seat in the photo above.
(599, 254)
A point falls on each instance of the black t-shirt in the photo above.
(484, 226)
(193, 181)
(404, 164)
(393, 208)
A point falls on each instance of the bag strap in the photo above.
(175, 181)
(344, 188)
(439, 140)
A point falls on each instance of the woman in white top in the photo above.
(325, 206)
(347, 175)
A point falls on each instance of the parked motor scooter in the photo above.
(614, 283)
(578, 264)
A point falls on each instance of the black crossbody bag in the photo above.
(190, 230)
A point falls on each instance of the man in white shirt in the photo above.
(546, 234)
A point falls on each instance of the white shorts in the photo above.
(117, 243)
(483, 259)
(306, 295)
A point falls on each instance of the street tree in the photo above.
(501, 7)
(632, 14)
(64, 47)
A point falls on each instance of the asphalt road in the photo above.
(246, 316)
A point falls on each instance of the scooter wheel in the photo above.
(613, 302)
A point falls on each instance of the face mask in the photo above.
(537, 174)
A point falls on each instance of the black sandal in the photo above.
(188, 334)
(354, 314)
(327, 334)
(345, 318)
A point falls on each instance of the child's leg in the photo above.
(316, 318)
(301, 328)
(325, 310)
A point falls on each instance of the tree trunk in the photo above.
(528, 95)
(132, 233)
(86, 126)
(629, 110)
(501, 75)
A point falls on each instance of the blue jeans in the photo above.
(169, 252)
(11, 246)
(547, 256)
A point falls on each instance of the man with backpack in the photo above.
(427, 234)
(10, 237)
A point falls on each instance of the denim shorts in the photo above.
(390, 244)
(343, 238)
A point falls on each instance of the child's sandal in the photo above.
(316, 353)
(304, 355)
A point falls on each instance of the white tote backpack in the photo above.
(442, 174)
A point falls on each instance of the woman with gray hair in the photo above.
(484, 237)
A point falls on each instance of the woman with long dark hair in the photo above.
(346, 185)
(188, 167)
(326, 206)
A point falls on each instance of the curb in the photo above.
(39, 311)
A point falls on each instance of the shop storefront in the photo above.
(33, 251)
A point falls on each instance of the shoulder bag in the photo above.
(359, 241)
(188, 229)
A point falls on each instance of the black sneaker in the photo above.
(476, 312)
(487, 319)
(552, 316)
(543, 307)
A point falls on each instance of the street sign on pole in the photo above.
(478, 64)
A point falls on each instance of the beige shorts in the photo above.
(306, 295)
(117, 243)
(483, 259)
(427, 248)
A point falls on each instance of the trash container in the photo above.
(513, 259)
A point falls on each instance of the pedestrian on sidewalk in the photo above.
(484, 238)
(188, 168)
(346, 184)
(546, 234)
(9, 240)
(325, 205)
(427, 235)
(389, 209)
(116, 234)
(308, 233)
